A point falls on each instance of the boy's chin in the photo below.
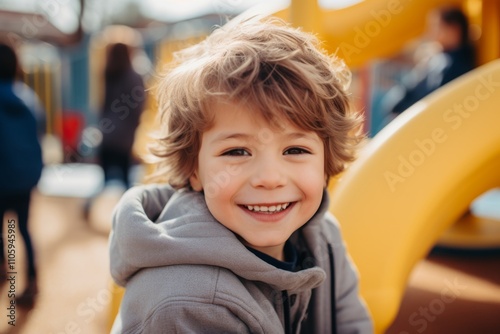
(265, 246)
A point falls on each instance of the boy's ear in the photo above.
(195, 182)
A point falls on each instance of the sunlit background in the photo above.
(61, 45)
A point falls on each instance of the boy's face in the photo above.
(262, 183)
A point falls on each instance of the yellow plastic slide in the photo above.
(414, 180)
(367, 30)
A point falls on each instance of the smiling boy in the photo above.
(256, 119)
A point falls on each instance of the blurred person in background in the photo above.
(124, 98)
(20, 168)
(34, 104)
(452, 54)
(123, 104)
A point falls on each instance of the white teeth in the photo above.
(270, 209)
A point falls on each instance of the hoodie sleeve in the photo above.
(195, 318)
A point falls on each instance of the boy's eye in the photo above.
(295, 150)
(236, 152)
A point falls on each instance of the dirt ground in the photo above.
(72, 259)
(446, 293)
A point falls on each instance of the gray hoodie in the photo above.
(186, 273)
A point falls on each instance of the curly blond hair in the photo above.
(278, 70)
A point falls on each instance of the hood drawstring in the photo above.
(332, 288)
(333, 297)
(286, 312)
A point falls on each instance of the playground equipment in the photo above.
(374, 29)
(415, 179)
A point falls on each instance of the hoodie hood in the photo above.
(155, 226)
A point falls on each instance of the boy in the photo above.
(256, 121)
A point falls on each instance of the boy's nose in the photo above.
(268, 174)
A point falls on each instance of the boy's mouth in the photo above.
(267, 209)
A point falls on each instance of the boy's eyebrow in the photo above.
(231, 135)
(244, 136)
(302, 135)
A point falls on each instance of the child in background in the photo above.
(256, 120)
(454, 55)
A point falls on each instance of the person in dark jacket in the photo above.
(449, 29)
(20, 169)
(123, 104)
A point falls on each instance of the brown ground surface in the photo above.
(75, 287)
